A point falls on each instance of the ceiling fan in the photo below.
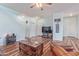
(40, 5)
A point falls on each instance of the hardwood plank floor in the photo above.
(10, 50)
(13, 50)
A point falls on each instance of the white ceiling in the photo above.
(24, 8)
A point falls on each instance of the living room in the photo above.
(33, 29)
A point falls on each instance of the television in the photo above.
(46, 29)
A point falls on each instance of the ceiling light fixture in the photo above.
(40, 5)
(71, 14)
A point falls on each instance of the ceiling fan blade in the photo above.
(45, 4)
(49, 3)
(32, 6)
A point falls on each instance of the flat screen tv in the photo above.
(46, 29)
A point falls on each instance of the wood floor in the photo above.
(10, 50)
(68, 42)
(13, 50)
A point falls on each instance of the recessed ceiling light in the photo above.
(70, 14)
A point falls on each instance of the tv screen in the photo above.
(46, 29)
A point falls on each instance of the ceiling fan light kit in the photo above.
(40, 5)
